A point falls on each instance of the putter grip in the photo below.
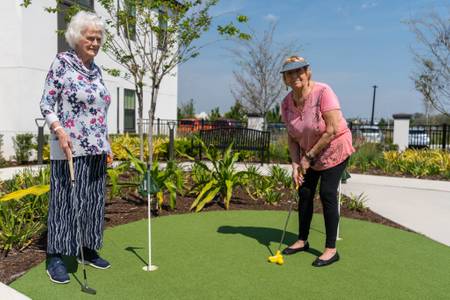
(72, 174)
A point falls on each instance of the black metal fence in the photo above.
(187, 127)
(420, 136)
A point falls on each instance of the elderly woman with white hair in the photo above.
(79, 131)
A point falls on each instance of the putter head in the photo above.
(280, 260)
(88, 290)
(277, 258)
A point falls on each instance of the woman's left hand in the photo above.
(109, 159)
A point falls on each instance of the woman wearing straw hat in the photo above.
(74, 85)
(320, 144)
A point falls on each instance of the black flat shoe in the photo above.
(322, 263)
(289, 251)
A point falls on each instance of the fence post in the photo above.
(444, 136)
(40, 123)
(158, 127)
(171, 125)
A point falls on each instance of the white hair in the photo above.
(79, 23)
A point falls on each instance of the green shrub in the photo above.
(267, 188)
(170, 179)
(23, 144)
(23, 220)
(279, 150)
(223, 177)
(355, 202)
(418, 163)
(367, 156)
(281, 177)
(184, 146)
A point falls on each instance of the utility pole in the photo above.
(373, 103)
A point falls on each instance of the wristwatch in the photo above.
(310, 158)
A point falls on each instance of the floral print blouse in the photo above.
(82, 102)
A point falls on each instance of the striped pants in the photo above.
(87, 199)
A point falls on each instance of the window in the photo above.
(129, 107)
(63, 7)
(86, 3)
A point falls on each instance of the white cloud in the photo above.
(271, 18)
(358, 28)
(369, 5)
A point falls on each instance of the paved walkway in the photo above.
(421, 205)
(9, 293)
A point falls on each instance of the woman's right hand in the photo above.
(65, 143)
(297, 175)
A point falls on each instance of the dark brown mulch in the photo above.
(132, 208)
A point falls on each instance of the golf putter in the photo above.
(84, 287)
(278, 258)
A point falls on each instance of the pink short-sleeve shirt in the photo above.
(307, 125)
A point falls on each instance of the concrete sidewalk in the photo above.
(9, 293)
(418, 204)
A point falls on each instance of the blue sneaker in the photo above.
(56, 270)
(92, 258)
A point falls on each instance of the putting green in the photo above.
(223, 255)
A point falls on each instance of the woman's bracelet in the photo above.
(310, 158)
(57, 128)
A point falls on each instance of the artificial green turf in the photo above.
(222, 255)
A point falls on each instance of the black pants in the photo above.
(329, 182)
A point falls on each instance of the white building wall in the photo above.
(28, 42)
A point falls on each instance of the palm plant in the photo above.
(169, 179)
(218, 180)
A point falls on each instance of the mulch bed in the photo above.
(378, 172)
(132, 207)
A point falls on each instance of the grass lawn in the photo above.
(222, 255)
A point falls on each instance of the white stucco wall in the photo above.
(28, 46)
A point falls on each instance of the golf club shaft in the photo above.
(285, 225)
(80, 240)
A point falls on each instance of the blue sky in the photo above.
(351, 45)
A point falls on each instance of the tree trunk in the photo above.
(140, 97)
(151, 116)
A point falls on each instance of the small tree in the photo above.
(186, 110)
(432, 79)
(149, 38)
(274, 115)
(214, 115)
(23, 145)
(258, 84)
(237, 112)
